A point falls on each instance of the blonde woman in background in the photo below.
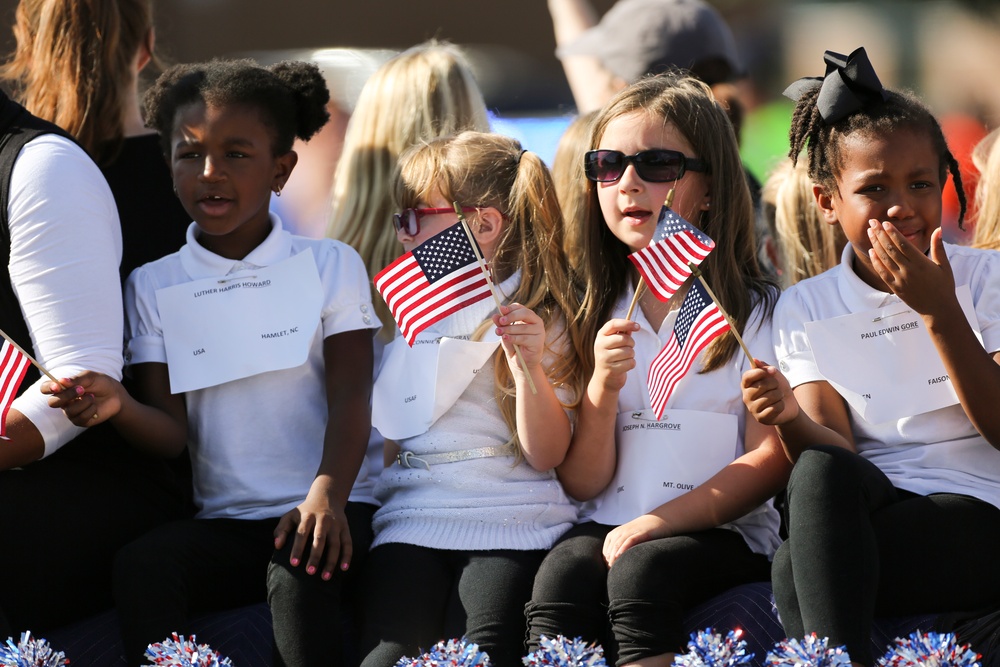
(427, 91)
(807, 246)
(986, 157)
(571, 182)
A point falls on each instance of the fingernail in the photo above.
(344, 566)
(311, 569)
(295, 562)
(327, 576)
(503, 320)
(79, 390)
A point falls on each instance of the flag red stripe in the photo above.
(13, 366)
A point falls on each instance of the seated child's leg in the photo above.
(493, 589)
(832, 548)
(306, 610)
(185, 567)
(407, 591)
(653, 584)
(570, 595)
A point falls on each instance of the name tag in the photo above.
(223, 329)
(661, 460)
(416, 385)
(883, 361)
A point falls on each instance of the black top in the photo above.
(153, 221)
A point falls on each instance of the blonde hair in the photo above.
(571, 182)
(490, 170)
(732, 268)
(807, 245)
(74, 65)
(986, 157)
(425, 92)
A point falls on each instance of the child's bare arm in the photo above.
(157, 424)
(320, 519)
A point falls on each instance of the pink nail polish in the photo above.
(311, 569)
(79, 390)
(295, 562)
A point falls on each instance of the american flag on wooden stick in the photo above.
(665, 262)
(437, 278)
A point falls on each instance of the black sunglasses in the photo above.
(654, 166)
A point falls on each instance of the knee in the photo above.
(568, 574)
(818, 470)
(630, 576)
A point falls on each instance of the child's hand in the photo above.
(641, 529)
(614, 353)
(768, 396)
(322, 524)
(87, 399)
(922, 283)
(517, 325)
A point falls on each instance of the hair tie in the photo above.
(523, 151)
(850, 83)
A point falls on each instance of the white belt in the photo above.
(408, 459)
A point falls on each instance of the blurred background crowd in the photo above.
(945, 50)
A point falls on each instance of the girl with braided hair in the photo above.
(896, 467)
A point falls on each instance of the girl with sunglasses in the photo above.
(470, 499)
(626, 576)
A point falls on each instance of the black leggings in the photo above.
(858, 548)
(418, 596)
(636, 609)
(199, 565)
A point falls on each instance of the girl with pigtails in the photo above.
(480, 408)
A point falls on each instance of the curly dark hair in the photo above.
(290, 95)
(822, 141)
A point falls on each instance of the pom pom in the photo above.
(181, 652)
(30, 653)
(708, 649)
(563, 652)
(810, 652)
(453, 653)
(929, 650)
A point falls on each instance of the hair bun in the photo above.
(311, 94)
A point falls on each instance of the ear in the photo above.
(146, 50)
(490, 225)
(824, 200)
(283, 166)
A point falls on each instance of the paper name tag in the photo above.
(883, 361)
(416, 385)
(661, 460)
(223, 329)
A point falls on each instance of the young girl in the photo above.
(471, 503)
(629, 585)
(253, 347)
(896, 511)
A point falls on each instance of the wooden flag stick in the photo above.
(29, 357)
(493, 290)
(642, 282)
(732, 325)
(641, 285)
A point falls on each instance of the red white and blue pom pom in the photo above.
(181, 652)
(564, 652)
(30, 653)
(709, 649)
(810, 652)
(932, 649)
(453, 653)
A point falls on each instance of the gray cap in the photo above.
(639, 37)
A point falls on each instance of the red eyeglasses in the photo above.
(408, 220)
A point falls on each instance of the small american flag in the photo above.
(439, 277)
(664, 262)
(13, 366)
(699, 322)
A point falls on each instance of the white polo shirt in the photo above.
(255, 443)
(934, 452)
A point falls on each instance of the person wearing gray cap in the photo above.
(639, 37)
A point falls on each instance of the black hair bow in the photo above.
(849, 84)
